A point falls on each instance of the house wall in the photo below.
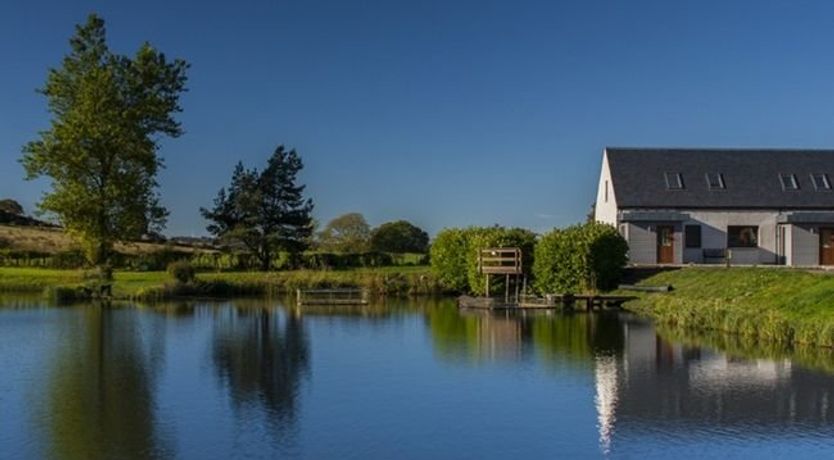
(642, 242)
(714, 235)
(642, 237)
(805, 245)
(605, 210)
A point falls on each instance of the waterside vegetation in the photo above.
(782, 306)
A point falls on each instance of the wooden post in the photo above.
(507, 289)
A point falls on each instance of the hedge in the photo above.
(582, 258)
(454, 255)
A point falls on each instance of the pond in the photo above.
(409, 379)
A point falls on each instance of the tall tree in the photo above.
(108, 112)
(346, 233)
(399, 237)
(264, 210)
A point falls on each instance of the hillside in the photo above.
(51, 240)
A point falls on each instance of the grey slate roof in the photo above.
(751, 177)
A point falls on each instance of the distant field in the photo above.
(52, 240)
(158, 284)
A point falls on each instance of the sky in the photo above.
(444, 113)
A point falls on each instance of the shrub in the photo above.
(448, 259)
(454, 255)
(182, 271)
(586, 257)
(5, 244)
(496, 237)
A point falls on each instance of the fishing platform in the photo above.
(507, 263)
(332, 297)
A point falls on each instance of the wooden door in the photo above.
(826, 246)
(665, 244)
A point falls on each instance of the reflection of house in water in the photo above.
(656, 385)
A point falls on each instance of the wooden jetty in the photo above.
(587, 302)
(331, 297)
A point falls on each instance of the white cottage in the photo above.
(678, 206)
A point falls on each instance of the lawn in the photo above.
(772, 304)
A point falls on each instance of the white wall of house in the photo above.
(805, 244)
(642, 237)
(605, 209)
(642, 242)
(714, 234)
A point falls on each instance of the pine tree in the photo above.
(265, 211)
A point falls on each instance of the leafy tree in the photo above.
(264, 210)
(12, 207)
(346, 233)
(108, 111)
(399, 237)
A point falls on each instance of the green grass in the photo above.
(769, 304)
(159, 285)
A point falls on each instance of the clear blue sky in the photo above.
(446, 113)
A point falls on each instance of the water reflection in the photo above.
(99, 399)
(645, 383)
(260, 355)
(482, 335)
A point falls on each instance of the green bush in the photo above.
(454, 255)
(449, 259)
(580, 258)
(496, 237)
(182, 271)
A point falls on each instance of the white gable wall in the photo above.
(605, 209)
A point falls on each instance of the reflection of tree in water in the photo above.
(260, 356)
(99, 401)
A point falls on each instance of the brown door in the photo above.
(665, 244)
(827, 246)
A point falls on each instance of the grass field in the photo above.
(769, 304)
(52, 240)
(159, 285)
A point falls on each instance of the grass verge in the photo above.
(784, 306)
(68, 284)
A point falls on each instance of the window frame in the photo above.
(733, 241)
(794, 182)
(680, 185)
(826, 182)
(687, 231)
(721, 184)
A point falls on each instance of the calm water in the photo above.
(253, 379)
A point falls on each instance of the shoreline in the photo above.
(764, 304)
(68, 285)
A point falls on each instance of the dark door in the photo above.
(665, 244)
(827, 246)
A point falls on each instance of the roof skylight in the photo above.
(674, 181)
(789, 181)
(715, 181)
(820, 181)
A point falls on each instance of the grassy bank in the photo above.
(766, 304)
(160, 286)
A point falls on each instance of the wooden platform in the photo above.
(331, 297)
(550, 302)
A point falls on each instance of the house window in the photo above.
(715, 181)
(742, 236)
(789, 181)
(820, 181)
(606, 191)
(692, 235)
(674, 181)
